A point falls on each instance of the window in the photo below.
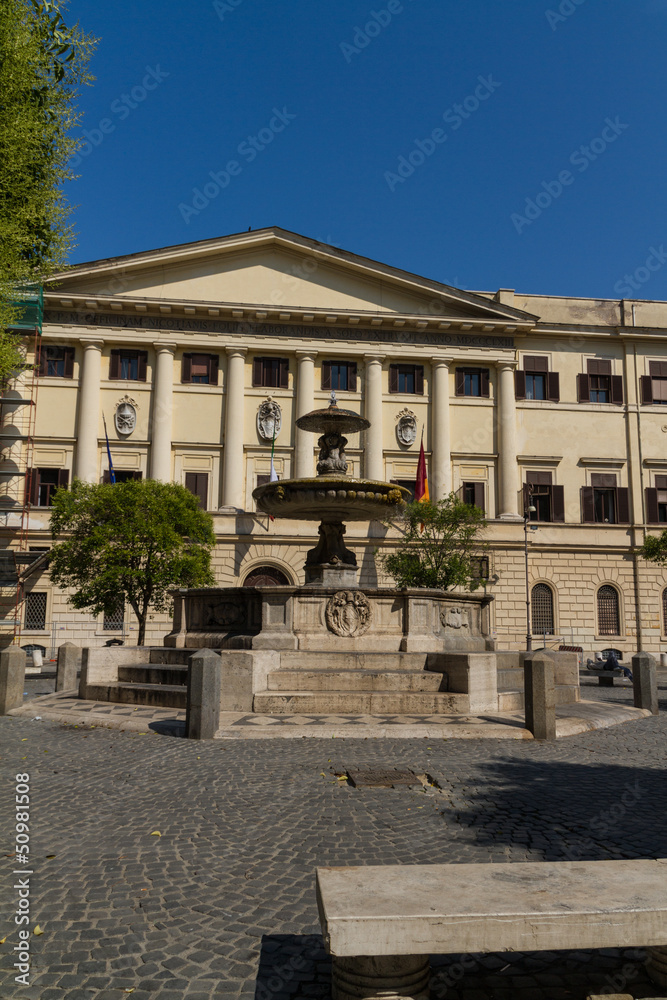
(408, 484)
(598, 385)
(121, 475)
(271, 373)
(664, 611)
(266, 576)
(43, 483)
(535, 381)
(130, 365)
(654, 386)
(35, 611)
(609, 622)
(56, 361)
(406, 378)
(603, 502)
(547, 499)
(197, 483)
(473, 493)
(656, 502)
(114, 621)
(542, 609)
(480, 567)
(472, 382)
(341, 376)
(200, 369)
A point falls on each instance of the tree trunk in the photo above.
(142, 629)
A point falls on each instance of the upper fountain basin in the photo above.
(331, 498)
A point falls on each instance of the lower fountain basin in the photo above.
(331, 498)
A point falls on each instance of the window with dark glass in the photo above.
(197, 483)
(43, 483)
(654, 385)
(535, 381)
(598, 385)
(609, 622)
(200, 369)
(270, 373)
(656, 501)
(129, 365)
(473, 493)
(341, 376)
(603, 502)
(472, 382)
(56, 361)
(121, 475)
(406, 378)
(547, 499)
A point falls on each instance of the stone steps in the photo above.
(356, 680)
(155, 695)
(360, 703)
(154, 674)
(305, 660)
(513, 701)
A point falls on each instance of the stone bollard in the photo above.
(204, 688)
(68, 664)
(540, 695)
(645, 682)
(12, 678)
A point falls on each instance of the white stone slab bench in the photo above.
(605, 677)
(380, 923)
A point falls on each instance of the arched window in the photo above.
(664, 611)
(542, 608)
(609, 619)
(266, 576)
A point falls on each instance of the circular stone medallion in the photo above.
(348, 613)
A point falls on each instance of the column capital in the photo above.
(96, 342)
(236, 352)
(162, 345)
(504, 366)
(306, 355)
(370, 358)
(442, 361)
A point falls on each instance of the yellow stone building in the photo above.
(195, 353)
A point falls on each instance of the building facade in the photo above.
(195, 354)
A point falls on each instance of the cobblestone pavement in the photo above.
(185, 871)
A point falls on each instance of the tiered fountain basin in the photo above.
(338, 498)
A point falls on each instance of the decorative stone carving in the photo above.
(348, 613)
(332, 457)
(454, 618)
(125, 417)
(226, 613)
(406, 428)
(269, 419)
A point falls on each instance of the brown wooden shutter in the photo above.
(646, 388)
(587, 505)
(519, 384)
(623, 505)
(598, 366)
(213, 370)
(326, 375)
(553, 387)
(186, 368)
(479, 496)
(197, 483)
(114, 364)
(352, 376)
(658, 369)
(558, 503)
(257, 371)
(459, 382)
(69, 362)
(534, 363)
(142, 361)
(652, 515)
(661, 482)
(617, 389)
(283, 382)
(484, 382)
(539, 478)
(63, 477)
(40, 359)
(32, 487)
(583, 388)
(419, 380)
(393, 378)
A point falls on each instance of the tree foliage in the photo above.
(43, 62)
(654, 548)
(440, 545)
(129, 542)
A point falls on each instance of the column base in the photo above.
(388, 977)
(656, 966)
(510, 517)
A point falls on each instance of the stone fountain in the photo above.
(331, 498)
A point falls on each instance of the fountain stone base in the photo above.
(330, 563)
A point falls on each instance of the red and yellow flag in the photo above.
(421, 486)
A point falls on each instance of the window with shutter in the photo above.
(44, 484)
(197, 483)
(472, 382)
(473, 493)
(200, 369)
(656, 502)
(270, 373)
(406, 379)
(654, 385)
(341, 376)
(56, 362)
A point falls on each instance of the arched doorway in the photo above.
(266, 576)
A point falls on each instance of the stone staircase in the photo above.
(160, 683)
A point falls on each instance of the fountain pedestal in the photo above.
(330, 563)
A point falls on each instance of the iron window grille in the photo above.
(542, 608)
(114, 621)
(609, 622)
(35, 611)
(664, 611)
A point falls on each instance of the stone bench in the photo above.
(606, 677)
(380, 923)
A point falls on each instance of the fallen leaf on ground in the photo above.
(156, 833)
(38, 930)
(2, 940)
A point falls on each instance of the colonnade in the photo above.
(233, 459)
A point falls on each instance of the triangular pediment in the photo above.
(274, 269)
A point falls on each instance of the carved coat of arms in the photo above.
(454, 618)
(125, 417)
(348, 613)
(269, 419)
(406, 428)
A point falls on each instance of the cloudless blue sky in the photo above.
(555, 82)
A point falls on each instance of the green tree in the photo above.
(440, 545)
(654, 548)
(129, 542)
(43, 62)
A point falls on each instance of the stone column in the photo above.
(507, 437)
(441, 462)
(373, 452)
(163, 395)
(86, 460)
(305, 402)
(539, 695)
(232, 455)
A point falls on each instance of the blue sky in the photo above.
(485, 143)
